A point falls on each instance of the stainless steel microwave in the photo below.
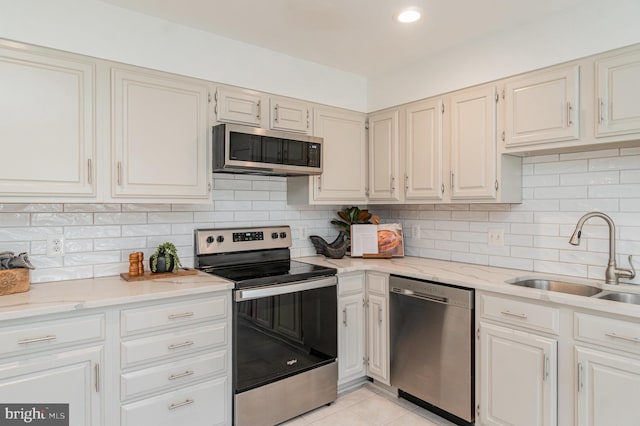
(245, 149)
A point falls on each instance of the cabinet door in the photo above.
(617, 94)
(159, 135)
(350, 338)
(378, 338)
(608, 388)
(473, 144)
(290, 115)
(61, 378)
(518, 377)
(344, 175)
(383, 157)
(237, 106)
(423, 158)
(46, 125)
(543, 107)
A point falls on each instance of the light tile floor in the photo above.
(369, 406)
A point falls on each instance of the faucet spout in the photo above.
(612, 273)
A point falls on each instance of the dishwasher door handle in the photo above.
(418, 295)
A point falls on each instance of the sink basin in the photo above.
(620, 297)
(558, 286)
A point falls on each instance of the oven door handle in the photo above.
(260, 292)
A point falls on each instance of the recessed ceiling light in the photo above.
(408, 15)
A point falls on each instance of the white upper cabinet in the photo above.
(424, 151)
(384, 179)
(159, 134)
(617, 94)
(238, 106)
(47, 124)
(344, 161)
(542, 107)
(473, 144)
(286, 114)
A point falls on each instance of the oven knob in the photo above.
(274, 235)
(283, 235)
(209, 239)
(220, 238)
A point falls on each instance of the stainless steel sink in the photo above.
(619, 297)
(558, 286)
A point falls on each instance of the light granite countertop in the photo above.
(75, 295)
(485, 278)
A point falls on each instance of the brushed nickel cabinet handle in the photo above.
(514, 314)
(96, 370)
(626, 338)
(580, 377)
(181, 404)
(600, 108)
(119, 172)
(89, 172)
(37, 339)
(187, 373)
(344, 316)
(258, 116)
(569, 111)
(380, 314)
(181, 345)
(277, 118)
(182, 315)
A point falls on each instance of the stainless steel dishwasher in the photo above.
(432, 345)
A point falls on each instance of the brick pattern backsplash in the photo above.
(557, 190)
(99, 237)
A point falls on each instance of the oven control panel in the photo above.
(248, 236)
(214, 241)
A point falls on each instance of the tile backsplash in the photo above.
(557, 190)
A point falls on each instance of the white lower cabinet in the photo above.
(202, 404)
(608, 388)
(351, 327)
(71, 377)
(363, 326)
(518, 373)
(152, 363)
(378, 326)
(176, 373)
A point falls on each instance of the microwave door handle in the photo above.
(276, 290)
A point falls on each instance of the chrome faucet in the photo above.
(612, 273)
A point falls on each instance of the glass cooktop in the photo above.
(271, 273)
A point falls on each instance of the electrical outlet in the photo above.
(415, 231)
(495, 237)
(303, 232)
(55, 245)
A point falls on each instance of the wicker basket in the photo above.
(14, 281)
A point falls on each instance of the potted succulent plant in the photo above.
(165, 258)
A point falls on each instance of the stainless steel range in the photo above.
(284, 323)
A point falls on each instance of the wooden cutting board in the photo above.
(148, 275)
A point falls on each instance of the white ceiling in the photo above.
(359, 36)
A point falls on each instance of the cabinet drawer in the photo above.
(608, 332)
(51, 334)
(172, 344)
(378, 283)
(203, 404)
(353, 283)
(524, 314)
(169, 314)
(173, 374)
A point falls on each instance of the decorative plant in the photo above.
(353, 215)
(169, 252)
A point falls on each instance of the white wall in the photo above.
(557, 191)
(97, 29)
(595, 26)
